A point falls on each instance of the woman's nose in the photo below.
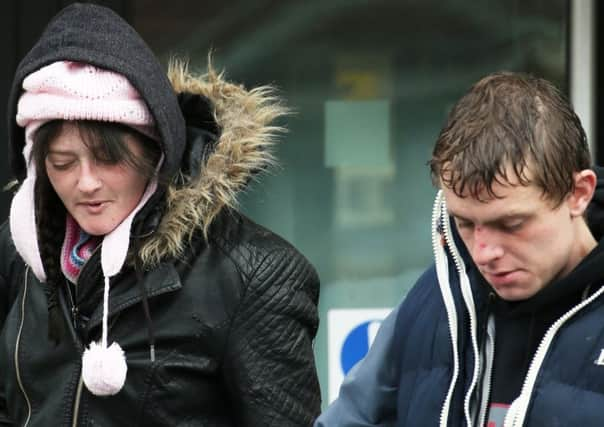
(89, 179)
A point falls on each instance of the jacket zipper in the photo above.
(73, 298)
(19, 381)
(488, 372)
(466, 291)
(442, 272)
(74, 314)
(517, 412)
(76, 406)
(439, 214)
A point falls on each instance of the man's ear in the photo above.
(579, 198)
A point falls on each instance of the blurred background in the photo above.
(370, 84)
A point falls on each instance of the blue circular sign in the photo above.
(356, 345)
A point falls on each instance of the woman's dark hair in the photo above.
(107, 141)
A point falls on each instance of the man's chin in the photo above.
(511, 286)
(513, 293)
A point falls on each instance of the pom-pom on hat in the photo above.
(67, 90)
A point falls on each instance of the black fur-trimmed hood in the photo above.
(96, 35)
(194, 185)
(243, 148)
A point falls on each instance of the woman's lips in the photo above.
(93, 207)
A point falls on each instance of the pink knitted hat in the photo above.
(75, 91)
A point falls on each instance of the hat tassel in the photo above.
(104, 368)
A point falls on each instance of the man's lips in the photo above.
(498, 273)
(501, 277)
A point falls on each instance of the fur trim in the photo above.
(244, 148)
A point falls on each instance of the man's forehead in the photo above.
(485, 182)
(506, 201)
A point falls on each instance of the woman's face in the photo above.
(98, 195)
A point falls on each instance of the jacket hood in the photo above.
(197, 179)
(98, 36)
(242, 149)
(595, 210)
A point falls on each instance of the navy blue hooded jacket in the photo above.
(426, 365)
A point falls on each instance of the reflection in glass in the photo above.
(370, 84)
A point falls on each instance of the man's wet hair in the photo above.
(510, 128)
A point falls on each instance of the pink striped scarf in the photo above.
(78, 246)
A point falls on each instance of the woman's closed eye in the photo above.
(60, 162)
(61, 166)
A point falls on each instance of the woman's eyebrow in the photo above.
(64, 152)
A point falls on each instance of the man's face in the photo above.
(520, 242)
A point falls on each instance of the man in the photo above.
(508, 323)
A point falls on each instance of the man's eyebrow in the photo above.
(495, 220)
(459, 217)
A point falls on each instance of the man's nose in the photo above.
(486, 247)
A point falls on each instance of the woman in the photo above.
(131, 291)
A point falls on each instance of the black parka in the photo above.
(233, 307)
(233, 321)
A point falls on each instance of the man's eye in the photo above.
(512, 226)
